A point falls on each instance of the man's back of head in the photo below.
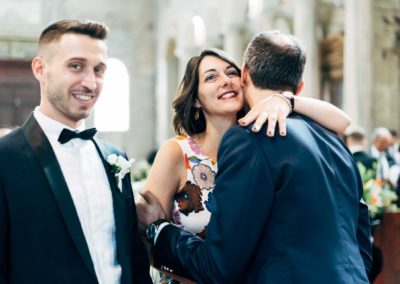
(275, 61)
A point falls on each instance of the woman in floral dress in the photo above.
(209, 102)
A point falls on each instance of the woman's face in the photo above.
(220, 92)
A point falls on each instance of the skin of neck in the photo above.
(254, 95)
(216, 127)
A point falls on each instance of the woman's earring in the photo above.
(197, 114)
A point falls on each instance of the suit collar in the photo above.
(104, 151)
(48, 161)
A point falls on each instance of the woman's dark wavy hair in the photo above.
(183, 120)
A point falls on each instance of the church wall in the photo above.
(386, 60)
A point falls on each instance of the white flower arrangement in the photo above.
(119, 167)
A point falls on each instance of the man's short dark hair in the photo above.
(56, 30)
(275, 61)
(356, 134)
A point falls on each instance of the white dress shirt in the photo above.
(89, 187)
(383, 170)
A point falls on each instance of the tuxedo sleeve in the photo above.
(141, 266)
(240, 207)
(4, 238)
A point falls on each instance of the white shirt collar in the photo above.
(52, 128)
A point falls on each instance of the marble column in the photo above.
(305, 28)
(358, 61)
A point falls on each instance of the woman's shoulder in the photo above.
(184, 142)
(171, 148)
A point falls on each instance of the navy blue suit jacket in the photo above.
(285, 210)
(41, 239)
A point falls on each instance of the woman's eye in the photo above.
(210, 77)
(232, 73)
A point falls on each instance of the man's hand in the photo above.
(148, 209)
(272, 109)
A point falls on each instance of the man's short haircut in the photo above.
(275, 64)
(356, 134)
(56, 30)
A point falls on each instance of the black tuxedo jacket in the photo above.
(284, 210)
(41, 239)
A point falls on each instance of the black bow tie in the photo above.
(67, 135)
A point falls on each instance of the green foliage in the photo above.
(378, 194)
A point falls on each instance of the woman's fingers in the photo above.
(260, 121)
(282, 123)
(249, 117)
(273, 110)
(272, 119)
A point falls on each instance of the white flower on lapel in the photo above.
(119, 167)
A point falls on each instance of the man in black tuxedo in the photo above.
(284, 210)
(63, 216)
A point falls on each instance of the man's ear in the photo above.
(38, 66)
(243, 75)
(300, 88)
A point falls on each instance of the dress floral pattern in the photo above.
(190, 203)
(192, 210)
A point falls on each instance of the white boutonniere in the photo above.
(119, 167)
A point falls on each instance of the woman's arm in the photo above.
(275, 109)
(165, 178)
(167, 175)
(326, 114)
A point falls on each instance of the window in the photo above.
(112, 109)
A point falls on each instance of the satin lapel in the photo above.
(121, 208)
(47, 159)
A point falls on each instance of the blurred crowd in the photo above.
(382, 154)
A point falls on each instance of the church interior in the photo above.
(353, 62)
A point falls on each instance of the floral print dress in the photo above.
(191, 210)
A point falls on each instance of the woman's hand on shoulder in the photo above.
(273, 109)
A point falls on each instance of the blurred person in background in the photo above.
(356, 141)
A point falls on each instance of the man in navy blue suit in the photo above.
(286, 209)
(63, 217)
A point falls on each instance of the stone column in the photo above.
(305, 28)
(233, 43)
(358, 61)
(161, 87)
(232, 22)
